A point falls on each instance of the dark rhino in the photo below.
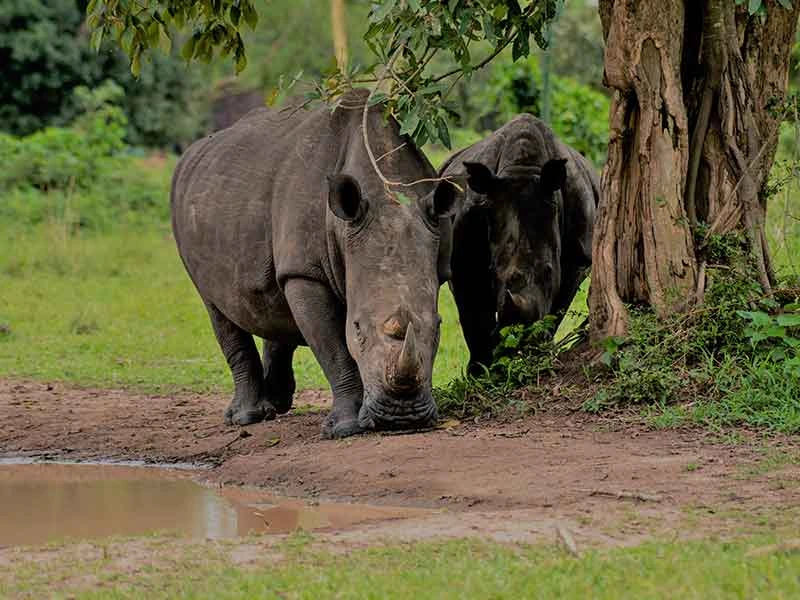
(289, 234)
(522, 237)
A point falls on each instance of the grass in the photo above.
(755, 567)
(117, 309)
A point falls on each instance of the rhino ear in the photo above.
(344, 197)
(554, 175)
(480, 178)
(444, 199)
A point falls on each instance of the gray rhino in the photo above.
(289, 234)
(522, 234)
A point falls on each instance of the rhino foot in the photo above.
(238, 415)
(336, 427)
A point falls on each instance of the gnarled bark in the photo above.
(692, 141)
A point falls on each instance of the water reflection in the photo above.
(44, 502)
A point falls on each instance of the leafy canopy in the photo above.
(404, 35)
(422, 47)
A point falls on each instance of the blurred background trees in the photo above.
(45, 53)
(45, 50)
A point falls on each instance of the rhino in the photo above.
(522, 231)
(289, 234)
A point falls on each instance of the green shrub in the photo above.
(524, 355)
(45, 53)
(83, 175)
(62, 157)
(735, 360)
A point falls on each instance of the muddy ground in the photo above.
(611, 480)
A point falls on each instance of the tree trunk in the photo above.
(339, 29)
(691, 143)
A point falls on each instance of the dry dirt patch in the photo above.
(606, 479)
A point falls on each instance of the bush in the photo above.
(735, 360)
(45, 53)
(62, 157)
(83, 175)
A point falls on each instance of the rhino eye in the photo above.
(432, 217)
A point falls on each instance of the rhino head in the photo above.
(524, 212)
(396, 255)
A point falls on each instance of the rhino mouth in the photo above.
(382, 410)
(516, 309)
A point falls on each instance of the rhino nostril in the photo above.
(394, 328)
(545, 272)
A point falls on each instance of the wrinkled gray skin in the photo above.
(288, 234)
(522, 234)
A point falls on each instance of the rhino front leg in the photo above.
(321, 320)
(249, 404)
(473, 290)
(279, 381)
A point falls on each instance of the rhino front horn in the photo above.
(408, 366)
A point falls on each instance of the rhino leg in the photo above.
(249, 404)
(478, 324)
(321, 320)
(473, 291)
(279, 384)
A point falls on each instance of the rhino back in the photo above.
(248, 204)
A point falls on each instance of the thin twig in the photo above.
(623, 495)
(568, 541)
(392, 151)
(386, 182)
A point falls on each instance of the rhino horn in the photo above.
(518, 300)
(409, 365)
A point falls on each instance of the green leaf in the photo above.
(757, 318)
(775, 331)
(788, 320)
(250, 15)
(521, 46)
(96, 39)
(409, 125)
(136, 64)
(153, 33)
(444, 133)
(187, 51)
(753, 6)
(241, 60)
(402, 198)
(380, 11)
(377, 98)
(787, 4)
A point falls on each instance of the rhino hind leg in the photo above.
(249, 404)
(279, 383)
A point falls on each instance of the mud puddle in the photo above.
(40, 503)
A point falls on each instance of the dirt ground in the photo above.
(611, 479)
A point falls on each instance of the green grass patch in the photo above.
(116, 308)
(458, 569)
